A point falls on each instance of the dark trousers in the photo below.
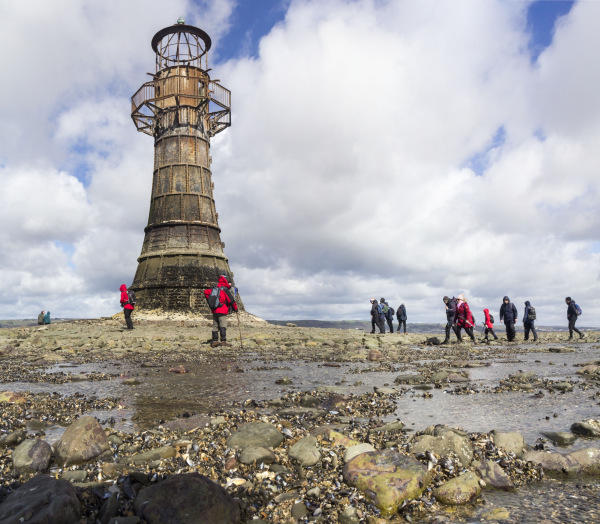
(529, 326)
(572, 327)
(390, 323)
(490, 330)
(448, 327)
(468, 330)
(510, 330)
(128, 321)
(401, 325)
(379, 323)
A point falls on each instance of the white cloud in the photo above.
(346, 173)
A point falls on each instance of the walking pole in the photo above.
(240, 328)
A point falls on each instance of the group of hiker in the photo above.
(44, 318)
(221, 301)
(382, 313)
(459, 316)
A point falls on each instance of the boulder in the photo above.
(494, 476)
(572, 464)
(444, 445)
(151, 455)
(255, 434)
(354, 451)
(257, 455)
(32, 455)
(587, 428)
(12, 397)
(375, 355)
(187, 424)
(305, 451)
(42, 499)
(340, 439)
(560, 438)
(459, 490)
(387, 478)
(388, 428)
(510, 442)
(410, 379)
(187, 498)
(82, 441)
(16, 437)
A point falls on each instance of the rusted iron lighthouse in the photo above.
(182, 108)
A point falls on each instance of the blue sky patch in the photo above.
(479, 162)
(541, 19)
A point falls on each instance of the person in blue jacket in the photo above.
(47, 318)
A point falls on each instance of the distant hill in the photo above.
(28, 322)
(412, 328)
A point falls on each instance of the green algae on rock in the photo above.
(387, 478)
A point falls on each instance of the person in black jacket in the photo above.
(401, 316)
(509, 315)
(529, 323)
(376, 318)
(572, 317)
(450, 313)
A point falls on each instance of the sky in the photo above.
(406, 149)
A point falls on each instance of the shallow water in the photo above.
(162, 395)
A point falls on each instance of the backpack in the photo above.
(391, 313)
(577, 309)
(214, 299)
(452, 304)
(379, 309)
(385, 309)
(491, 318)
(531, 314)
(131, 297)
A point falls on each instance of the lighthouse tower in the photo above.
(182, 108)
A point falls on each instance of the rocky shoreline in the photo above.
(320, 455)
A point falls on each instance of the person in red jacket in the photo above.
(127, 307)
(489, 326)
(219, 314)
(463, 318)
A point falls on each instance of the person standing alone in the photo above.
(509, 315)
(221, 301)
(573, 311)
(401, 315)
(529, 321)
(128, 304)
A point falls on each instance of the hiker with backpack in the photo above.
(464, 318)
(450, 304)
(401, 315)
(509, 315)
(573, 311)
(389, 317)
(47, 318)
(41, 318)
(220, 301)
(529, 321)
(488, 324)
(376, 316)
(128, 304)
(385, 310)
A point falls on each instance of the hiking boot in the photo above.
(214, 343)
(223, 343)
(582, 335)
(571, 337)
(446, 340)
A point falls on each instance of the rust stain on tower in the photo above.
(182, 108)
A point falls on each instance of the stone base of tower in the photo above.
(175, 299)
(177, 282)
